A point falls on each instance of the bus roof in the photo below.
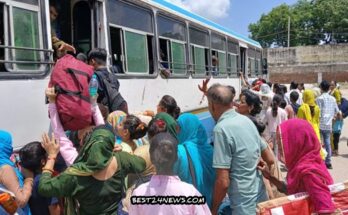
(203, 21)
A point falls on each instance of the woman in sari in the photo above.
(299, 150)
(129, 130)
(95, 180)
(195, 156)
(310, 111)
(171, 125)
(11, 178)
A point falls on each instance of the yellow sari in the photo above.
(304, 112)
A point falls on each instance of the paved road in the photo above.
(340, 163)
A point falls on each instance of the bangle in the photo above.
(47, 170)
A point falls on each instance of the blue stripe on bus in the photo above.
(205, 21)
(208, 123)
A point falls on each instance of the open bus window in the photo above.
(132, 38)
(131, 52)
(199, 51)
(218, 55)
(2, 37)
(172, 42)
(232, 58)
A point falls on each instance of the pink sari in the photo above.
(306, 170)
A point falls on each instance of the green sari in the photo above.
(79, 187)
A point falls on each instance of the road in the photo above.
(340, 163)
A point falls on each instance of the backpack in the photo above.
(108, 90)
(71, 77)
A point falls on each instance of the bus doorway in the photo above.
(73, 23)
(82, 26)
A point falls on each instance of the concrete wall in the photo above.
(308, 64)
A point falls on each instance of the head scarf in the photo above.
(301, 150)
(170, 122)
(116, 118)
(193, 142)
(6, 151)
(96, 153)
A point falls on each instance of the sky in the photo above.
(233, 14)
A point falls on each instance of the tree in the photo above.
(312, 22)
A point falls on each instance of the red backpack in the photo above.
(70, 78)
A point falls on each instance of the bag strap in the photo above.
(61, 90)
(74, 72)
(192, 169)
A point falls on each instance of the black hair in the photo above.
(324, 86)
(259, 125)
(269, 84)
(31, 156)
(263, 80)
(137, 129)
(277, 99)
(170, 104)
(283, 104)
(283, 88)
(252, 100)
(99, 55)
(302, 85)
(156, 126)
(163, 152)
(294, 96)
(82, 57)
(293, 85)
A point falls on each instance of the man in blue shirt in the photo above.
(237, 151)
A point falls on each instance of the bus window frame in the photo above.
(184, 42)
(171, 63)
(193, 71)
(229, 68)
(13, 74)
(224, 75)
(124, 50)
(193, 45)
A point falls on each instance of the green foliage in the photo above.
(312, 22)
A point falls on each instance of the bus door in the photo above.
(81, 25)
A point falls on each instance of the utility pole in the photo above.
(289, 32)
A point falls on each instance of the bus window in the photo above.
(26, 34)
(199, 40)
(131, 38)
(218, 55)
(172, 45)
(232, 58)
(251, 62)
(2, 38)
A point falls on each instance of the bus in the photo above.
(155, 48)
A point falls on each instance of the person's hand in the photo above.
(117, 148)
(204, 87)
(262, 166)
(149, 113)
(50, 145)
(27, 173)
(66, 47)
(93, 99)
(51, 94)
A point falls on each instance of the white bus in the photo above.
(141, 36)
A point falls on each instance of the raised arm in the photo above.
(67, 149)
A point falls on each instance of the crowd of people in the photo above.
(112, 166)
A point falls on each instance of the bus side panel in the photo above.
(23, 111)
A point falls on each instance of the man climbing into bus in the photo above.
(59, 46)
(108, 89)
